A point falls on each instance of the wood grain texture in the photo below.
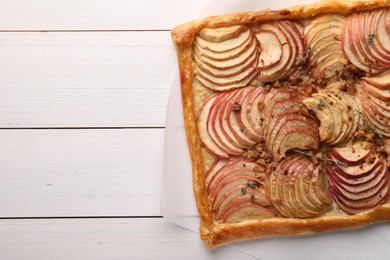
(96, 14)
(85, 79)
(104, 239)
(45, 173)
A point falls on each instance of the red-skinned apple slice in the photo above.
(218, 56)
(222, 202)
(214, 168)
(366, 45)
(275, 72)
(382, 32)
(252, 113)
(235, 128)
(221, 34)
(362, 44)
(380, 81)
(242, 119)
(371, 28)
(204, 135)
(229, 63)
(271, 49)
(225, 45)
(228, 83)
(213, 127)
(229, 168)
(237, 177)
(225, 72)
(246, 210)
(223, 116)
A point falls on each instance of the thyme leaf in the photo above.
(252, 184)
(321, 104)
(243, 191)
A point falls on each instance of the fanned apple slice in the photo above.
(367, 41)
(224, 124)
(222, 58)
(357, 45)
(287, 190)
(375, 103)
(363, 42)
(214, 168)
(228, 83)
(204, 135)
(246, 210)
(234, 107)
(231, 165)
(382, 33)
(226, 45)
(357, 182)
(229, 54)
(214, 127)
(252, 112)
(222, 33)
(322, 36)
(295, 39)
(271, 49)
(375, 44)
(275, 72)
(255, 134)
(228, 63)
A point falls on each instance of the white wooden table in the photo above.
(83, 93)
(84, 87)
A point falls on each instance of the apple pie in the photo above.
(287, 118)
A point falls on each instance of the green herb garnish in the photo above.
(307, 53)
(243, 191)
(321, 104)
(251, 184)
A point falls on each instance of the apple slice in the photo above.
(363, 42)
(231, 119)
(382, 33)
(214, 168)
(233, 164)
(226, 45)
(226, 55)
(357, 185)
(381, 81)
(227, 83)
(228, 199)
(242, 119)
(289, 188)
(246, 210)
(221, 34)
(205, 138)
(229, 63)
(214, 127)
(275, 72)
(366, 41)
(252, 113)
(271, 49)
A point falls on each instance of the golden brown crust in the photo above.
(216, 234)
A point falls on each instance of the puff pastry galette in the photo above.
(287, 117)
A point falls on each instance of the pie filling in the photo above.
(295, 122)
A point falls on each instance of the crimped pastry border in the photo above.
(216, 234)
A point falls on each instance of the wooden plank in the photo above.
(104, 239)
(156, 239)
(85, 79)
(96, 14)
(80, 172)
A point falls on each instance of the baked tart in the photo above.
(287, 118)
